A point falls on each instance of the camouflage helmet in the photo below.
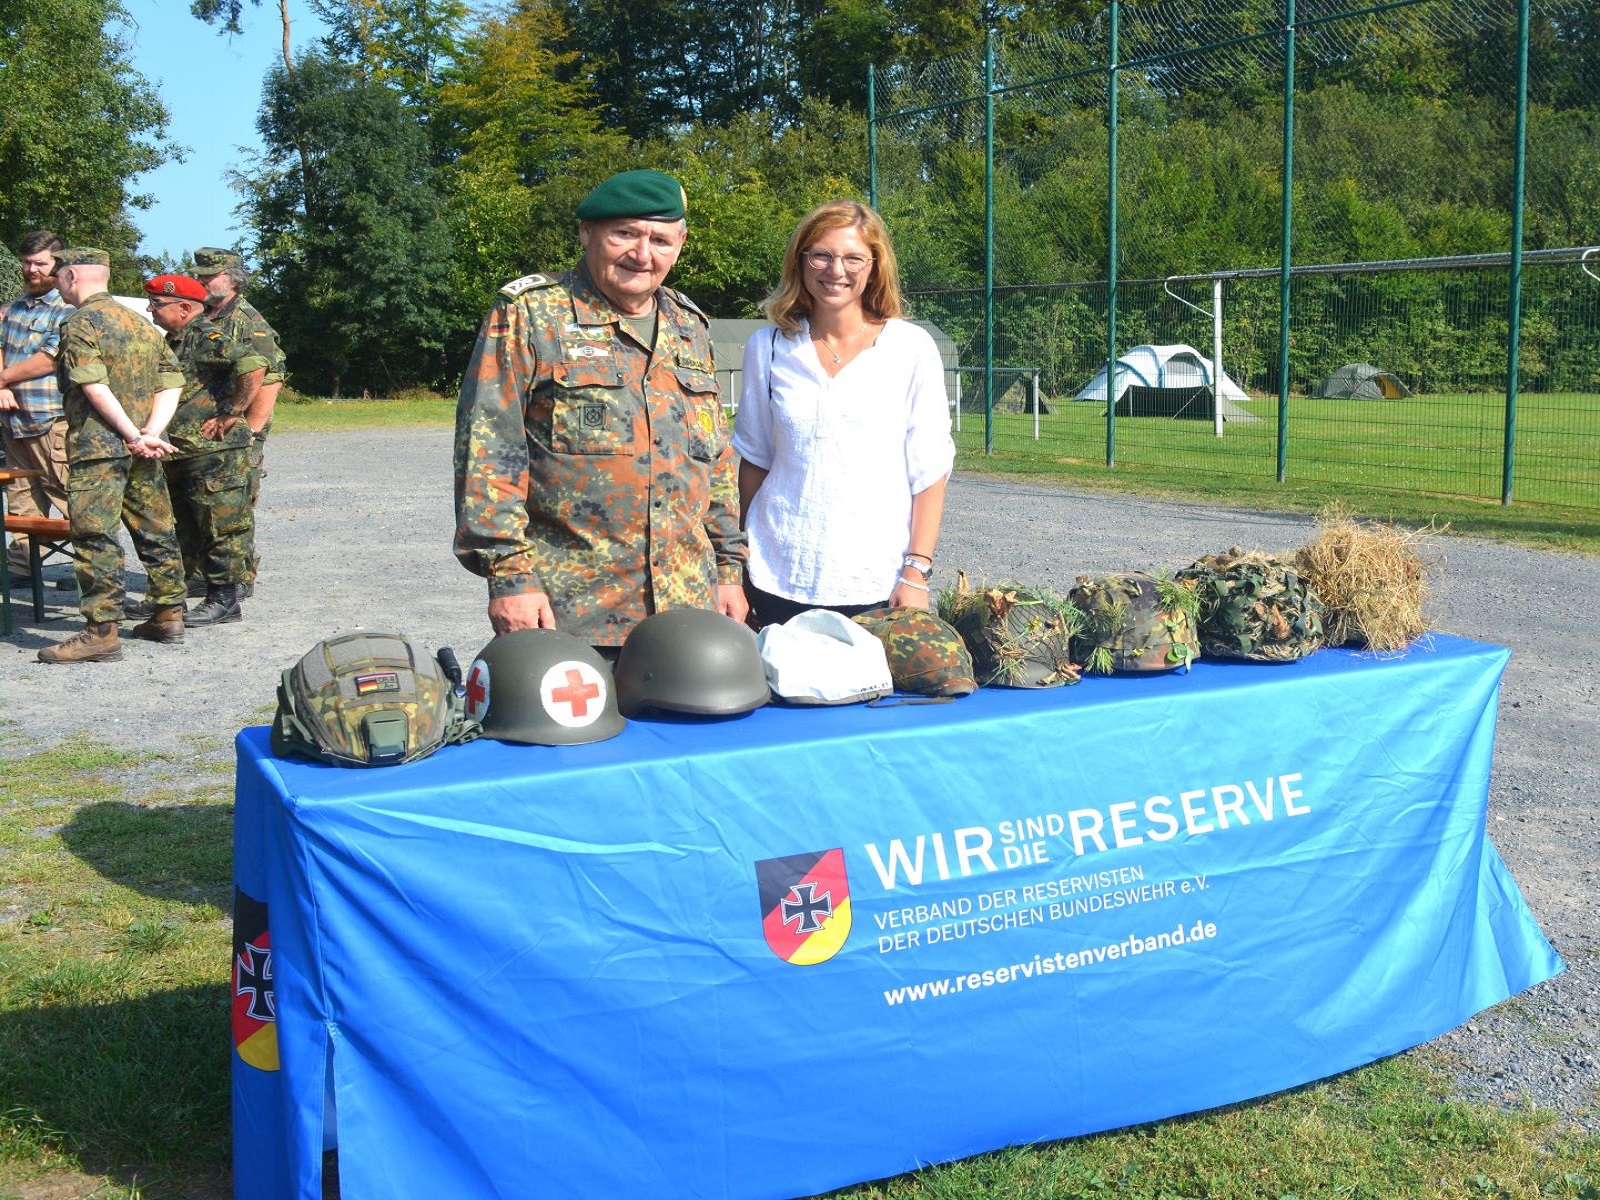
(542, 687)
(1018, 636)
(369, 699)
(1136, 622)
(1254, 606)
(926, 654)
(691, 660)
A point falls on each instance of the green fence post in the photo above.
(1284, 313)
(988, 242)
(872, 136)
(1514, 325)
(1111, 237)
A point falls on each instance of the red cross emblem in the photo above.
(478, 690)
(574, 693)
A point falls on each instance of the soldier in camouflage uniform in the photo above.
(595, 479)
(120, 387)
(209, 477)
(223, 273)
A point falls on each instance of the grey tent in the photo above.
(1169, 381)
(1362, 381)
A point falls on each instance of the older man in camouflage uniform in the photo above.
(209, 476)
(595, 478)
(120, 387)
(223, 273)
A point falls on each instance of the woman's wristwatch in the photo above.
(915, 563)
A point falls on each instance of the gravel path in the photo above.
(355, 532)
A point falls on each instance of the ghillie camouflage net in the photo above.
(1254, 606)
(1371, 579)
(1019, 636)
(1135, 622)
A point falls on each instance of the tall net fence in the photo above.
(1363, 336)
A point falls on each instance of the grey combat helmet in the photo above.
(691, 660)
(544, 688)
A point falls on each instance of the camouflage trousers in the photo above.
(258, 470)
(102, 492)
(211, 506)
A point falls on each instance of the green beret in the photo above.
(209, 260)
(646, 194)
(82, 256)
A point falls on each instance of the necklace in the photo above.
(844, 343)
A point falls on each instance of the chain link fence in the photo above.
(1063, 200)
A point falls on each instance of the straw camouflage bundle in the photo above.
(1135, 622)
(1254, 606)
(1018, 636)
(1371, 578)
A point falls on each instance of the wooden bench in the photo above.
(46, 536)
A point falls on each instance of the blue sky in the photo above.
(211, 85)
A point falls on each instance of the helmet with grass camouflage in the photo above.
(369, 700)
(1018, 636)
(1254, 606)
(542, 687)
(1135, 622)
(691, 660)
(926, 655)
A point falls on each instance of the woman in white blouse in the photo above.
(843, 429)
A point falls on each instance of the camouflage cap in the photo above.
(1019, 636)
(210, 260)
(926, 654)
(649, 195)
(1136, 622)
(1255, 607)
(82, 256)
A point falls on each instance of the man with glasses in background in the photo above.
(32, 421)
(595, 478)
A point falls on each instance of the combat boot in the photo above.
(220, 606)
(164, 625)
(97, 643)
(197, 586)
(246, 590)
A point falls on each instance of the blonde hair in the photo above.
(880, 300)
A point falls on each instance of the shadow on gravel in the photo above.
(183, 852)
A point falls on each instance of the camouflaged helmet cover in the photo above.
(1254, 606)
(926, 655)
(1019, 636)
(1136, 622)
(367, 700)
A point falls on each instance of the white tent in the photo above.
(1168, 381)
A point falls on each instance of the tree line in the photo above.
(422, 153)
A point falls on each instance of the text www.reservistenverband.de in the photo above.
(1041, 964)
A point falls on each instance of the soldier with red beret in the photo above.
(209, 476)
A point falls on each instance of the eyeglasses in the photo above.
(821, 260)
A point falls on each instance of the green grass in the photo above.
(114, 947)
(114, 950)
(311, 415)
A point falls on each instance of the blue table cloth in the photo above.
(769, 956)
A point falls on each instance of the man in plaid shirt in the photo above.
(31, 417)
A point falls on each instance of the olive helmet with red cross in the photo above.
(542, 687)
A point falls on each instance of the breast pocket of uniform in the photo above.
(706, 431)
(591, 412)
